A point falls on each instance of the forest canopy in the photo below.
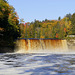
(9, 23)
(11, 28)
(57, 29)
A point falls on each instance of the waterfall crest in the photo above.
(40, 45)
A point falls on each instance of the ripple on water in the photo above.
(37, 64)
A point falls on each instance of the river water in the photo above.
(37, 64)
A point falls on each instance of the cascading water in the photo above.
(40, 45)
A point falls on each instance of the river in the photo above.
(37, 64)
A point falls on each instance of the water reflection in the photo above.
(37, 64)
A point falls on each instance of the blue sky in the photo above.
(30, 10)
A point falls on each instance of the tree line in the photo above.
(11, 28)
(57, 29)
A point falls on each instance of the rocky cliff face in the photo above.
(71, 44)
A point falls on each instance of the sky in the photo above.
(30, 10)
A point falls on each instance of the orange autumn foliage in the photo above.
(56, 35)
(65, 30)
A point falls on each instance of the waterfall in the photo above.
(41, 45)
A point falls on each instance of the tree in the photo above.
(73, 23)
(59, 18)
(9, 22)
(68, 16)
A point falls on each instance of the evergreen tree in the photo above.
(73, 23)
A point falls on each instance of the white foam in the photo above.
(45, 51)
(36, 65)
(53, 73)
(72, 66)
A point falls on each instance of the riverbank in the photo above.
(6, 49)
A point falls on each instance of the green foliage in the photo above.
(68, 16)
(47, 29)
(59, 18)
(9, 22)
(73, 23)
(11, 29)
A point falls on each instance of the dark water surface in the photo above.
(37, 64)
